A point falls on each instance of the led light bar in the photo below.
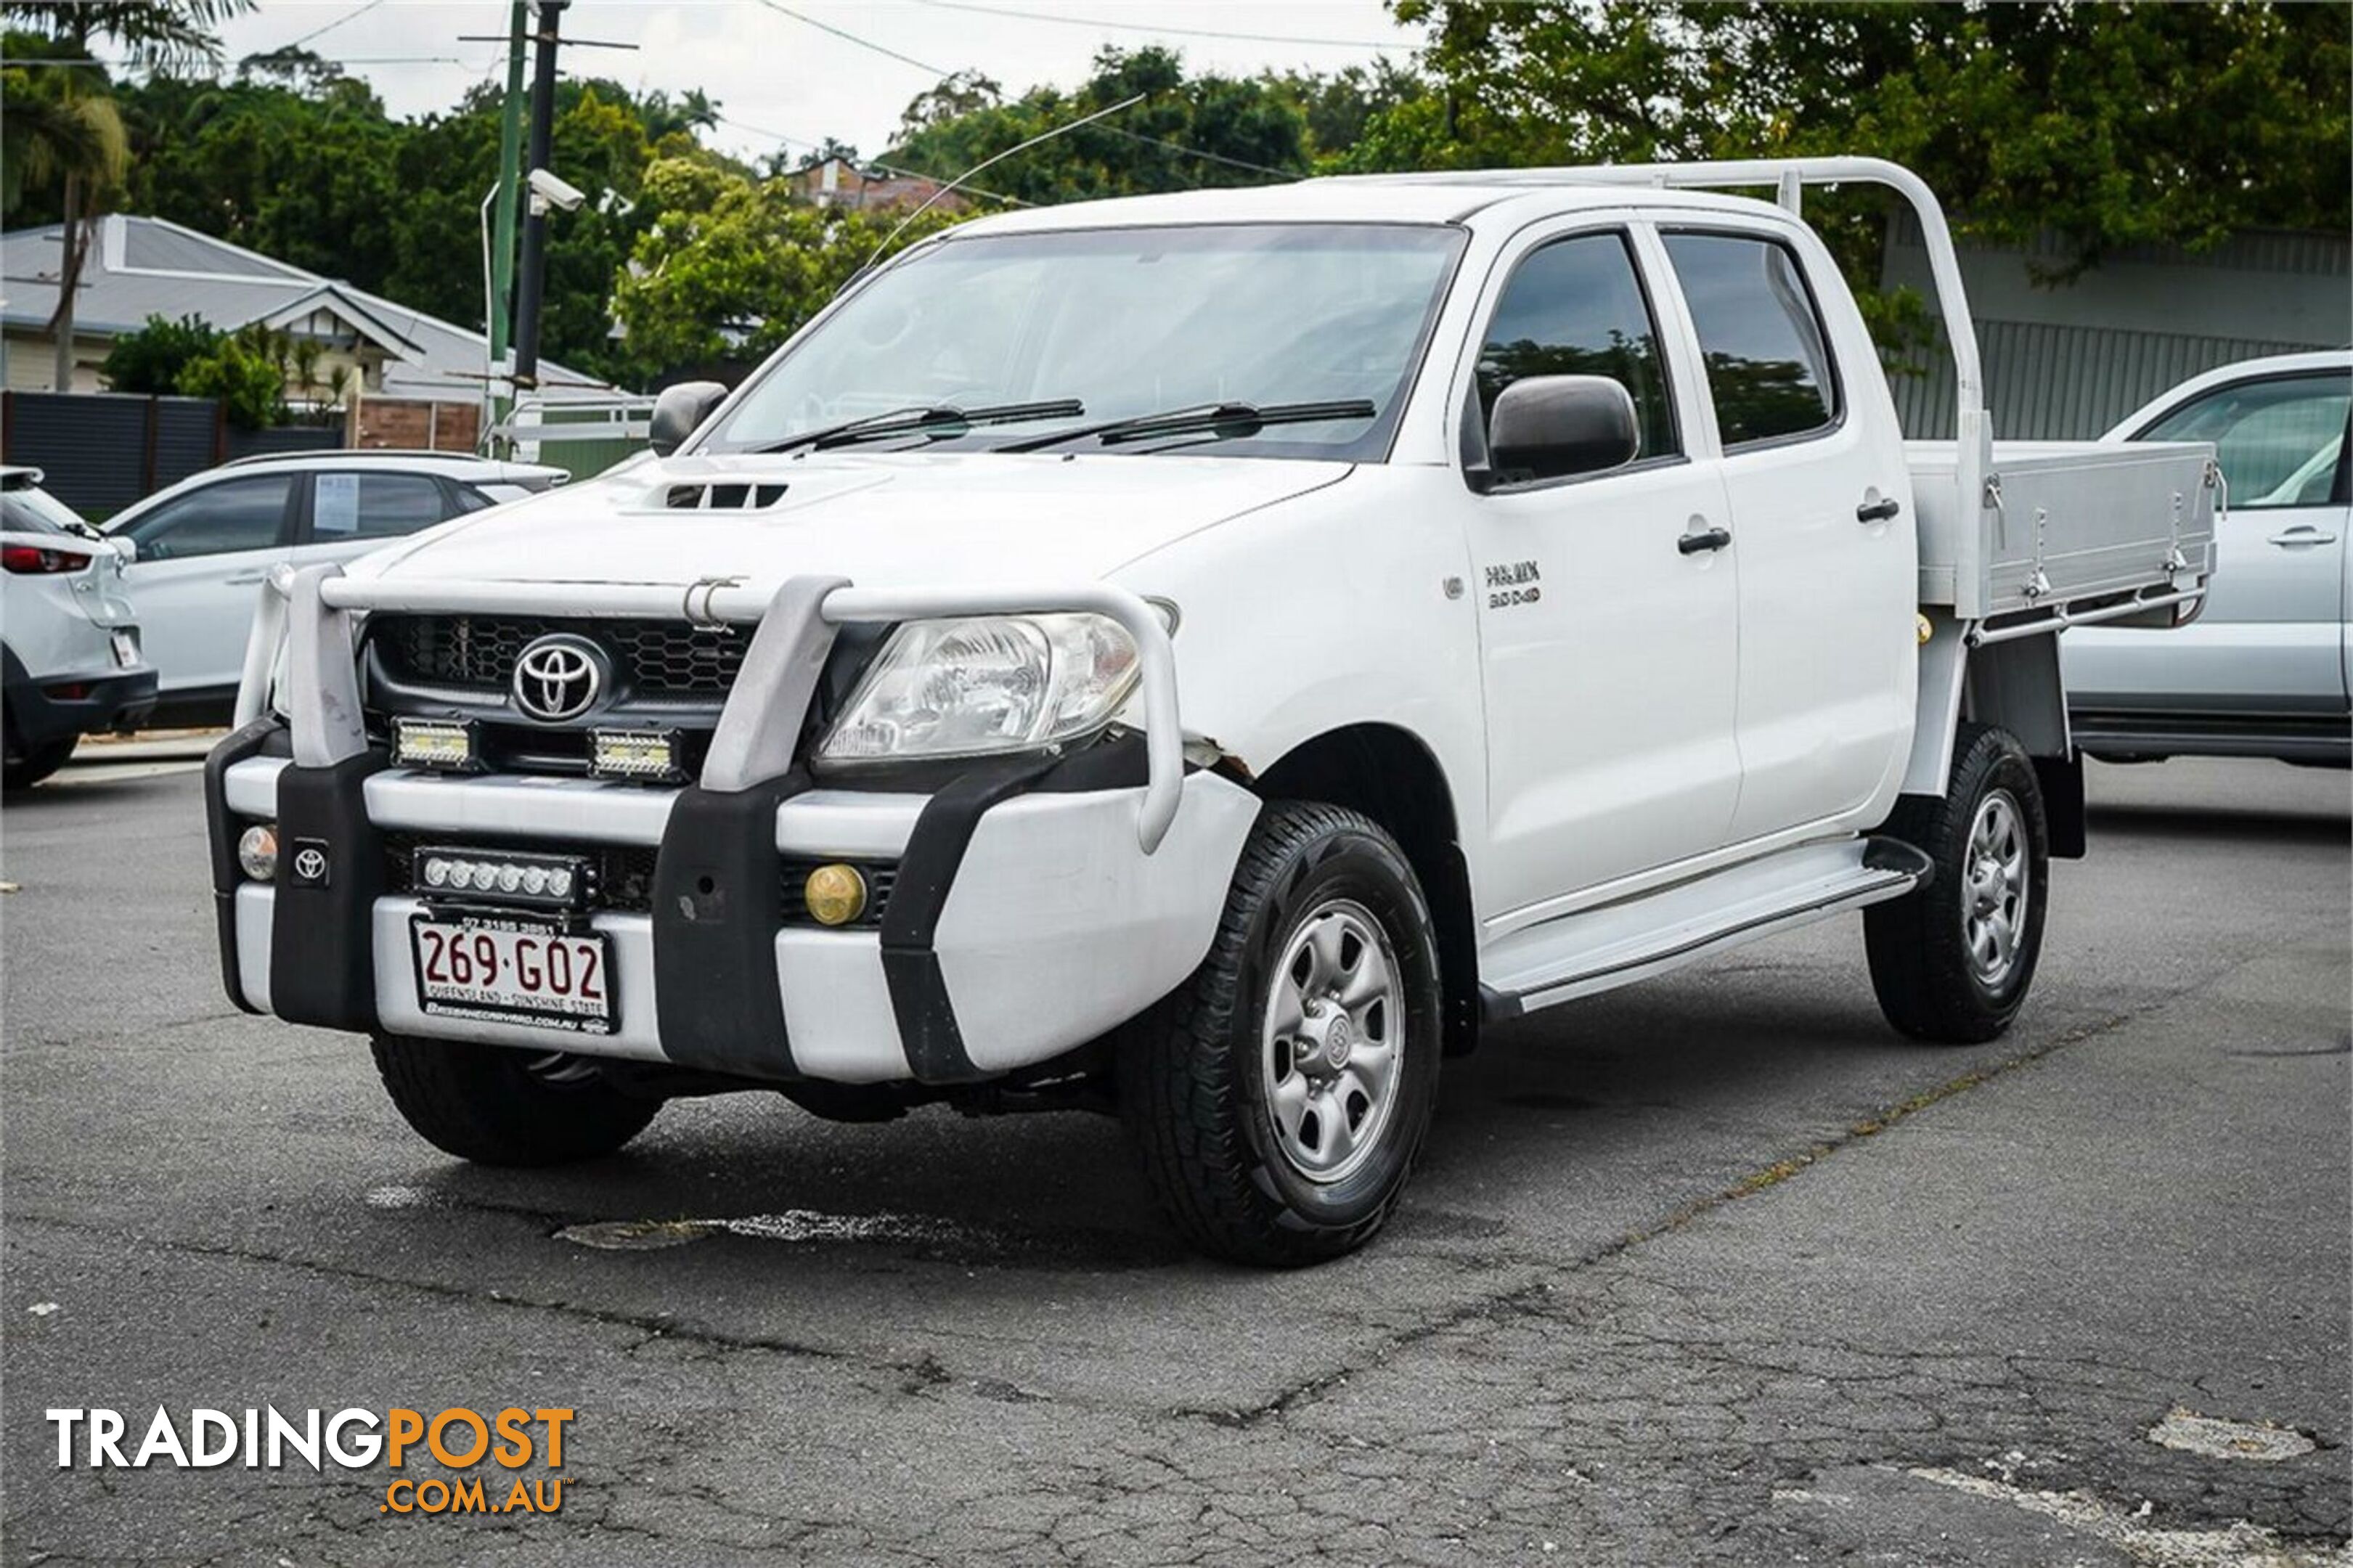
(648, 754)
(446, 745)
(464, 874)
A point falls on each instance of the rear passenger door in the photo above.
(1818, 493)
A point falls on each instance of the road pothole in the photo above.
(2219, 1440)
(792, 1225)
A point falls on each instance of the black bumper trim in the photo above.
(323, 922)
(221, 832)
(115, 700)
(718, 903)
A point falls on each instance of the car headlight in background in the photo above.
(984, 685)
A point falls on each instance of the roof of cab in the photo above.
(1360, 198)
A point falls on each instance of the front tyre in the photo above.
(1952, 961)
(496, 1106)
(1280, 1094)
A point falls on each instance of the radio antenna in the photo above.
(985, 162)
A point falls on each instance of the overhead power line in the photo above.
(356, 12)
(852, 37)
(780, 138)
(1155, 27)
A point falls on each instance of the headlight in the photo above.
(984, 685)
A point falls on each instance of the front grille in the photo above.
(625, 874)
(651, 658)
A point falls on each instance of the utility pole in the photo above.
(502, 238)
(532, 281)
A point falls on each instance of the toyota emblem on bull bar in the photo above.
(559, 677)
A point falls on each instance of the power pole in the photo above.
(532, 281)
(503, 233)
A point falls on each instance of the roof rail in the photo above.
(340, 453)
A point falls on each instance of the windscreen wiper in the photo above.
(942, 422)
(1225, 420)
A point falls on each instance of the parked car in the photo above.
(71, 652)
(205, 544)
(2266, 668)
(1442, 598)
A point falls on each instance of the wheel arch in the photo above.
(1391, 775)
(2013, 686)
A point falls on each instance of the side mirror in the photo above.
(1550, 427)
(679, 410)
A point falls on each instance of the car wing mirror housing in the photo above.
(680, 410)
(1555, 427)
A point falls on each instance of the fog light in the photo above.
(835, 895)
(257, 852)
(649, 755)
(444, 744)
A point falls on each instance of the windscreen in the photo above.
(1123, 324)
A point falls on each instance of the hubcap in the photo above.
(1995, 887)
(1335, 1020)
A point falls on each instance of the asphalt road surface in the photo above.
(1712, 1270)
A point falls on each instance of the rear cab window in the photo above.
(1768, 356)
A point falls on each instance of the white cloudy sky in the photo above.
(789, 77)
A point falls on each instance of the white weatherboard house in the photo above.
(141, 266)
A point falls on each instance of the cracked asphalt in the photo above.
(1714, 1269)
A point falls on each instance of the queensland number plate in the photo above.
(513, 972)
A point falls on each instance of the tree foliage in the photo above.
(732, 266)
(2108, 125)
(243, 372)
(150, 360)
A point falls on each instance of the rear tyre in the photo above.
(500, 1107)
(1952, 961)
(25, 770)
(1280, 1095)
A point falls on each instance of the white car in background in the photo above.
(205, 544)
(71, 654)
(2266, 669)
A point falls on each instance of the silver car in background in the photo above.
(2265, 671)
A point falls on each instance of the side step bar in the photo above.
(1617, 944)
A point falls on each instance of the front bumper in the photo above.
(1025, 920)
(39, 714)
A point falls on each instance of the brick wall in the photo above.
(418, 425)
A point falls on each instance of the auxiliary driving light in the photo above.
(648, 754)
(484, 875)
(257, 852)
(836, 894)
(446, 744)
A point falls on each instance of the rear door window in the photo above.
(1768, 359)
(375, 505)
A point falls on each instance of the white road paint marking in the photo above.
(796, 1225)
(2237, 1544)
(42, 1308)
(120, 773)
(2219, 1440)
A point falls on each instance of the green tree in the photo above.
(732, 266)
(1188, 132)
(150, 360)
(158, 35)
(249, 383)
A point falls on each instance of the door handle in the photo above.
(2302, 534)
(1706, 538)
(247, 581)
(1877, 511)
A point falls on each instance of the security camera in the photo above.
(548, 191)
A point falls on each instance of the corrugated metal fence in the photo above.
(101, 451)
(2046, 382)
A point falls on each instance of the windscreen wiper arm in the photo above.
(1225, 420)
(940, 423)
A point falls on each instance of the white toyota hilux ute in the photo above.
(1200, 656)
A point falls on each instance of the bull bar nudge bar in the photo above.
(312, 612)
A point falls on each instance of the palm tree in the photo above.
(46, 137)
(155, 34)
